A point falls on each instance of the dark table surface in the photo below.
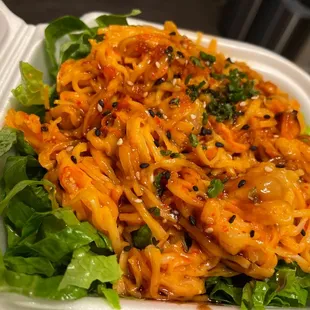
(195, 14)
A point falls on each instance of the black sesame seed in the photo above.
(101, 102)
(219, 144)
(105, 113)
(241, 183)
(180, 54)
(266, 116)
(245, 127)
(144, 165)
(195, 188)
(253, 148)
(152, 113)
(127, 248)
(114, 104)
(252, 233)
(192, 220)
(280, 165)
(173, 33)
(44, 128)
(209, 131)
(177, 76)
(231, 220)
(156, 142)
(97, 132)
(159, 81)
(203, 131)
(303, 232)
(168, 134)
(73, 158)
(167, 175)
(169, 50)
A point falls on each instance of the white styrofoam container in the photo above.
(20, 41)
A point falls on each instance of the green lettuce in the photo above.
(32, 91)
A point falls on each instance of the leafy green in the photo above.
(196, 61)
(222, 111)
(215, 188)
(18, 188)
(56, 30)
(193, 139)
(10, 137)
(158, 183)
(155, 211)
(30, 265)
(165, 152)
(142, 237)
(86, 267)
(204, 118)
(32, 91)
(106, 20)
(110, 295)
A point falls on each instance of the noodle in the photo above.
(130, 133)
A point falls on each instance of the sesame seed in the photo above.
(193, 116)
(177, 76)
(130, 83)
(165, 116)
(203, 131)
(105, 113)
(303, 232)
(174, 81)
(280, 165)
(97, 132)
(152, 113)
(44, 128)
(159, 81)
(73, 158)
(232, 219)
(267, 116)
(219, 144)
(168, 134)
(69, 148)
(101, 102)
(241, 183)
(152, 178)
(209, 230)
(119, 141)
(114, 104)
(99, 108)
(192, 220)
(255, 97)
(268, 169)
(253, 148)
(276, 136)
(169, 50)
(138, 200)
(242, 104)
(138, 175)
(180, 54)
(252, 233)
(195, 188)
(157, 64)
(204, 105)
(144, 165)
(145, 94)
(245, 127)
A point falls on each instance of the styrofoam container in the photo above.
(20, 41)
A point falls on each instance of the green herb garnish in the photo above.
(207, 57)
(193, 140)
(196, 61)
(215, 188)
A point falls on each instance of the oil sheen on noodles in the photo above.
(133, 113)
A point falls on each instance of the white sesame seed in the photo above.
(157, 64)
(138, 175)
(210, 221)
(138, 200)
(174, 81)
(208, 63)
(276, 136)
(193, 116)
(119, 141)
(204, 105)
(268, 169)
(242, 104)
(255, 97)
(149, 61)
(69, 148)
(209, 230)
(130, 83)
(99, 108)
(145, 94)
(165, 116)
(152, 178)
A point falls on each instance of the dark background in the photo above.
(194, 14)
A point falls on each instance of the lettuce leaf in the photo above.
(32, 91)
(110, 295)
(107, 20)
(87, 267)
